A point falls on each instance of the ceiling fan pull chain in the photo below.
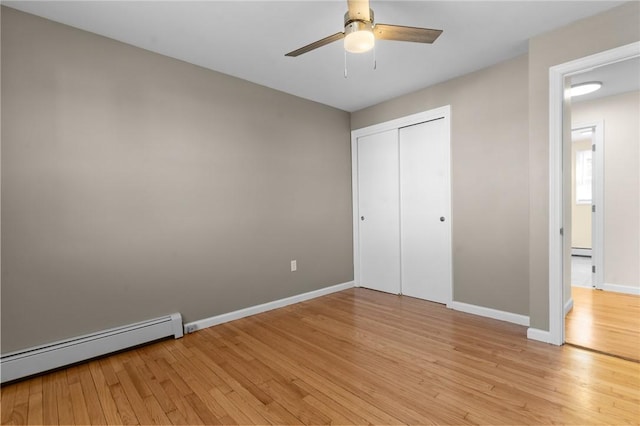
(345, 64)
(375, 61)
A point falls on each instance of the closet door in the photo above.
(425, 211)
(378, 211)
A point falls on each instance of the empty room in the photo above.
(320, 212)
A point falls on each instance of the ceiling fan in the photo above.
(360, 31)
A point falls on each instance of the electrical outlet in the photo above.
(190, 328)
(294, 265)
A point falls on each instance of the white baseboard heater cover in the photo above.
(19, 364)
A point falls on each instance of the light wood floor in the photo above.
(353, 357)
(605, 321)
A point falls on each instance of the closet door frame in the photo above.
(444, 113)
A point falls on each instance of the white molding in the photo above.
(355, 203)
(257, 309)
(539, 335)
(568, 306)
(489, 313)
(597, 222)
(26, 362)
(556, 298)
(409, 120)
(620, 288)
(597, 226)
(581, 252)
(589, 286)
(557, 75)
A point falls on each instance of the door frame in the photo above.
(597, 193)
(444, 113)
(557, 75)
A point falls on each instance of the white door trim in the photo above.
(557, 75)
(433, 114)
(597, 225)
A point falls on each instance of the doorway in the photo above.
(560, 248)
(604, 203)
(586, 205)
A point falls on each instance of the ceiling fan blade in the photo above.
(359, 9)
(400, 33)
(316, 44)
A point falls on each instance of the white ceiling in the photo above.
(620, 77)
(248, 39)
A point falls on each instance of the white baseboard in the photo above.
(568, 306)
(539, 335)
(253, 310)
(581, 252)
(627, 289)
(490, 313)
(26, 362)
(590, 286)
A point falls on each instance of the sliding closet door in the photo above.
(378, 210)
(425, 211)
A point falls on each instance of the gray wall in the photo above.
(489, 179)
(614, 28)
(135, 185)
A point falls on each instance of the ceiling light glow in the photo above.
(359, 37)
(359, 42)
(585, 88)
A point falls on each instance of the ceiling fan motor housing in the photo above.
(358, 34)
(349, 20)
(355, 26)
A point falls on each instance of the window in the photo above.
(583, 177)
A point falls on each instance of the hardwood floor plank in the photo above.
(35, 415)
(20, 410)
(108, 372)
(353, 357)
(177, 419)
(250, 410)
(156, 389)
(182, 406)
(292, 399)
(49, 400)
(134, 399)
(156, 412)
(6, 402)
(104, 396)
(339, 413)
(605, 321)
(362, 382)
(201, 409)
(63, 398)
(125, 410)
(317, 380)
(200, 385)
(238, 416)
(80, 412)
(90, 394)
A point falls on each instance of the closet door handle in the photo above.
(441, 218)
(361, 217)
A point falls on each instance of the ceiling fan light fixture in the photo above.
(359, 37)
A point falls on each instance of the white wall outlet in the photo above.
(294, 265)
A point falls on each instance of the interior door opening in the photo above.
(602, 295)
(559, 253)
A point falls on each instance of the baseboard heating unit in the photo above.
(19, 364)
